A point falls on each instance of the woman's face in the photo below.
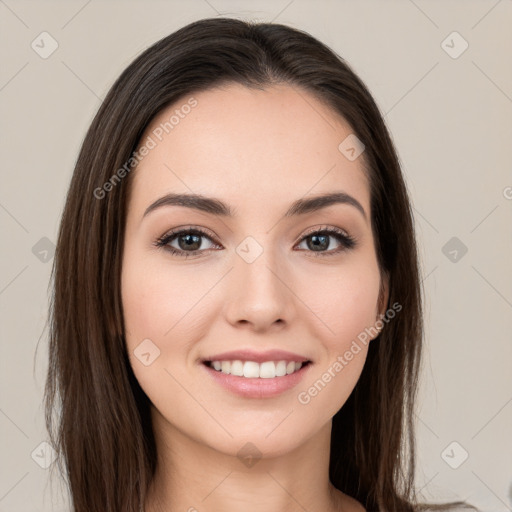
(259, 280)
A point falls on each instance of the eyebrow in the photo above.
(217, 207)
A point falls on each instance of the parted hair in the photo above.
(97, 415)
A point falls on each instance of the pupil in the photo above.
(324, 244)
(190, 241)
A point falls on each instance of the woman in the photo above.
(236, 321)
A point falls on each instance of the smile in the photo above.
(254, 370)
(256, 380)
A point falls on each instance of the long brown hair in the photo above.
(96, 413)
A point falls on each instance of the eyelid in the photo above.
(207, 232)
(190, 227)
(317, 229)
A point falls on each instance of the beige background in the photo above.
(451, 119)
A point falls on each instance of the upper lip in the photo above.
(257, 357)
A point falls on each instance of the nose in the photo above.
(259, 295)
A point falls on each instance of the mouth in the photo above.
(254, 370)
(265, 378)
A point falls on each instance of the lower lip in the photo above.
(257, 388)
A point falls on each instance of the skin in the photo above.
(258, 151)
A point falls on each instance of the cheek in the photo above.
(329, 388)
(344, 301)
(159, 304)
(347, 307)
(167, 307)
(158, 299)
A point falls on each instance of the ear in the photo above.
(383, 295)
(382, 302)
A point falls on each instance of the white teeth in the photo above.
(267, 370)
(237, 368)
(281, 369)
(253, 370)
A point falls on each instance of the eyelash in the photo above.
(347, 242)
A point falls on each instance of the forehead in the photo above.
(249, 146)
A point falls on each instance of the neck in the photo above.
(194, 477)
